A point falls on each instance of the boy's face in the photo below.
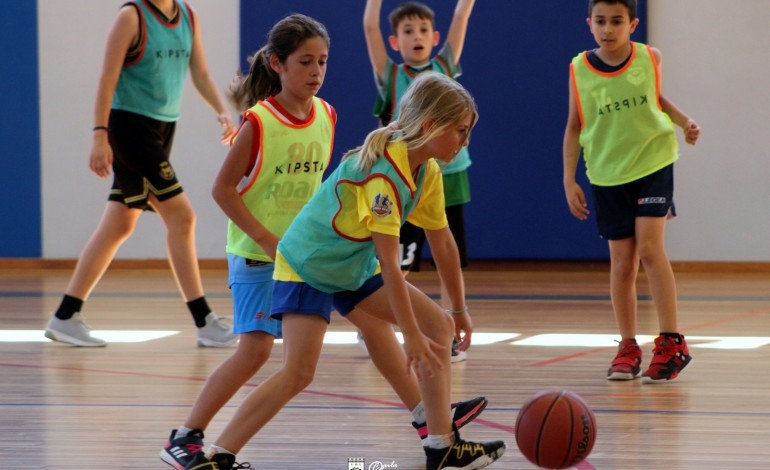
(611, 26)
(415, 39)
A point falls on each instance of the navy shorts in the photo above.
(141, 147)
(300, 297)
(617, 207)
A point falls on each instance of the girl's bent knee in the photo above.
(296, 380)
(441, 329)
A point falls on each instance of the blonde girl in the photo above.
(341, 252)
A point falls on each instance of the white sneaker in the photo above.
(72, 331)
(457, 355)
(216, 333)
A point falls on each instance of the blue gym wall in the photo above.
(515, 63)
(20, 234)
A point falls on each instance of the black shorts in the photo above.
(141, 147)
(617, 207)
(413, 239)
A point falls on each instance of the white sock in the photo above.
(441, 441)
(182, 431)
(215, 449)
(418, 413)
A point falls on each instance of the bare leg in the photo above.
(302, 341)
(652, 252)
(178, 216)
(624, 267)
(253, 351)
(387, 355)
(116, 225)
(436, 324)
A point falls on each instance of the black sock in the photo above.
(199, 309)
(68, 307)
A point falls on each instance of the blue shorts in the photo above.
(251, 284)
(299, 297)
(617, 207)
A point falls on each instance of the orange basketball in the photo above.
(555, 429)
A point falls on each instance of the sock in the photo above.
(199, 308)
(418, 413)
(183, 431)
(440, 441)
(215, 449)
(68, 307)
(675, 336)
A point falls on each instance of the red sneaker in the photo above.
(670, 356)
(628, 361)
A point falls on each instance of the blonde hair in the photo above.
(432, 96)
(262, 82)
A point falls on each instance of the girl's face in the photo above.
(304, 70)
(611, 26)
(445, 146)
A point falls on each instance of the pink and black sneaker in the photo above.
(180, 450)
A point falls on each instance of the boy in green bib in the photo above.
(625, 128)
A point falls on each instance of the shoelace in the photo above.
(627, 350)
(665, 348)
(461, 447)
(235, 465)
(222, 323)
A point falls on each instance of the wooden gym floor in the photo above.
(63, 407)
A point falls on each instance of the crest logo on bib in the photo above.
(382, 205)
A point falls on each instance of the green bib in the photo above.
(625, 135)
(290, 164)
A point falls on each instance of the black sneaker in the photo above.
(464, 455)
(217, 462)
(179, 451)
(463, 412)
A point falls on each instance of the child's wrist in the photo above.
(458, 311)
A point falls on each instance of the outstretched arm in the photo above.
(375, 43)
(204, 83)
(689, 126)
(456, 35)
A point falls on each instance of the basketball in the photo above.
(555, 429)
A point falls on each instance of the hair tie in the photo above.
(393, 125)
